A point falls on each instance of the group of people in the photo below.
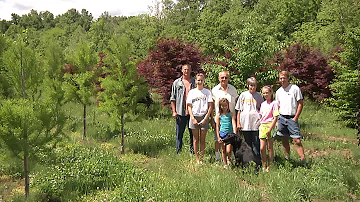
(254, 115)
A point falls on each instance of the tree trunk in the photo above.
(26, 171)
(84, 123)
(26, 150)
(122, 134)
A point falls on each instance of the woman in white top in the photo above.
(200, 108)
(248, 106)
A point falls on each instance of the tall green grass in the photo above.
(151, 170)
(321, 120)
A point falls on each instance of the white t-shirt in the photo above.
(230, 94)
(288, 99)
(249, 105)
(199, 100)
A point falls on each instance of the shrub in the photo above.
(78, 170)
(163, 64)
(308, 65)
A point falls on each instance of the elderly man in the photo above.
(223, 90)
(179, 91)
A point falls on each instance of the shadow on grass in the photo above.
(292, 163)
(150, 149)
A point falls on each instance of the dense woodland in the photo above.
(121, 64)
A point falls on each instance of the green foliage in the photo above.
(334, 19)
(314, 123)
(22, 70)
(10, 165)
(123, 87)
(346, 91)
(77, 170)
(28, 126)
(144, 37)
(156, 135)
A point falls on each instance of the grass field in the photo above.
(150, 170)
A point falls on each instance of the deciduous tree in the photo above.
(310, 66)
(163, 64)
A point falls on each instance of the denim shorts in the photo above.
(288, 127)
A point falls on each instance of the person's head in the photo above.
(251, 84)
(224, 78)
(284, 78)
(199, 80)
(186, 70)
(267, 92)
(224, 105)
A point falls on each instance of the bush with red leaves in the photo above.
(163, 64)
(308, 65)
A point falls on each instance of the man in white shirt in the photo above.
(291, 104)
(223, 90)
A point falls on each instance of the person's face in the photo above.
(284, 80)
(199, 81)
(224, 107)
(252, 88)
(223, 78)
(266, 93)
(186, 71)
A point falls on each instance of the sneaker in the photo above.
(228, 162)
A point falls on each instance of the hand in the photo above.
(202, 122)
(194, 121)
(220, 140)
(268, 134)
(239, 126)
(175, 115)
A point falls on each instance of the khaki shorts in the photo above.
(202, 127)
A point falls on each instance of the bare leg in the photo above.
(286, 146)
(202, 143)
(270, 143)
(224, 153)
(270, 150)
(196, 145)
(263, 152)
(228, 151)
(299, 148)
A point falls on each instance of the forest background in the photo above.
(119, 69)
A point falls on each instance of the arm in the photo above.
(189, 106)
(238, 121)
(173, 109)
(273, 124)
(233, 123)
(209, 111)
(212, 120)
(217, 120)
(299, 109)
(239, 108)
(173, 101)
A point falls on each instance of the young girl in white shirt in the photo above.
(199, 103)
(269, 112)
